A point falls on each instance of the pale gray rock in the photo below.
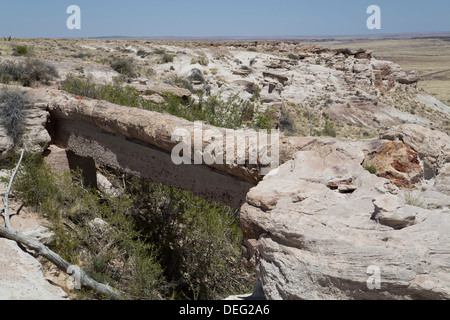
(312, 242)
(42, 234)
(22, 277)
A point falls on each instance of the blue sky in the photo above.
(47, 18)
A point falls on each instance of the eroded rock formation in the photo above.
(312, 242)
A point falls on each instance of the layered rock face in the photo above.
(311, 240)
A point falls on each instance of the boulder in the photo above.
(432, 147)
(396, 162)
(310, 241)
(248, 86)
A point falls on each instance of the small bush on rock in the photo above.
(13, 111)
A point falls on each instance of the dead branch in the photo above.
(33, 244)
(6, 202)
(62, 264)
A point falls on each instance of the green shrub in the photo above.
(200, 60)
(199, 241)
(20, 50)
(229, 113)
(142, 53)
(125, 66)
(151, 242)
(159, 51)
(329, 129)
(113, 92)
(13, 105)
(82, 55)
(175, 80)
(293, 56)
(370, 166)
(97, 232)
(287, 122)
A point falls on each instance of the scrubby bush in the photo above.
(370, 166)
(287, 122)
(82, 55)
(175, 80)
(329, 129)
(200, 60)
(13, 111)
(27, 73)
(293, 56)
(20, 50)
(415, 199)
(98, 232)
(125, 66)
(142, 53)
(199, 241)
(113, 92)
(159, 51)
(167, 58)
(196, 75)
(227, 113)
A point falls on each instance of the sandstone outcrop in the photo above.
(312, 242)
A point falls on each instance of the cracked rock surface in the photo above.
(312, 242)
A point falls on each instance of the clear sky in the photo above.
(47, 18)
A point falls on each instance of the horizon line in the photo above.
(248, 38)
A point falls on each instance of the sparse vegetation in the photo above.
(114, 92)
(167, 58)
(200, 60)
(287, 123)
(151, 242)
(370, 166)
(197, 75)
(28, 73)
(177, 81)
(142, 53)
(125, 66)
(82, 55)
(415, 199)
(20, 50)
(228, 113)
(329, 129)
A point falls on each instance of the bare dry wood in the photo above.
(62, 264)
(31, 243)
(6, 199)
